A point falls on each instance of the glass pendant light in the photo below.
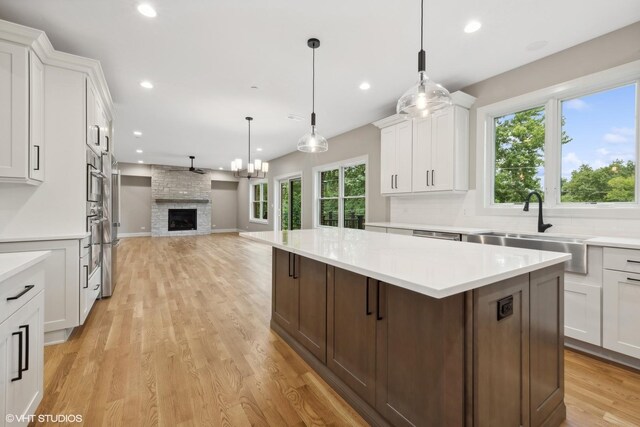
(313, 142)
(425, 96)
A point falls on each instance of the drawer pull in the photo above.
(633, 280)
(632, 261)
(24, 291)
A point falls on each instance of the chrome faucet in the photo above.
(541, 225)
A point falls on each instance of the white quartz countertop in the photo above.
(437, 268)
(441, 228)
(12, 239)
(13, 263)
(615, 242)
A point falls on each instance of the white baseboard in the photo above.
(125, 235)
(225, 230)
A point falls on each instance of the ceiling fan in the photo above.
(191, 169)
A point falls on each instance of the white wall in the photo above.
(610, 50)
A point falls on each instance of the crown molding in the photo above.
(40, 44)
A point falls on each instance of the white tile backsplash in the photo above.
(460, 210)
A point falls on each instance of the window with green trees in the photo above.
(342, 196)
(259, 202)
(593, 141)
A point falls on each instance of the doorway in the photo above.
(290, 202)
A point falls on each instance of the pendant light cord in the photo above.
(249, 144)
(313, 84)
(421, 24)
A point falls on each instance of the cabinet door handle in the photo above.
(295, 266)
(392, 182)
(433, 177)
(290, 273)
(378, 316)
(108, 142)
(20, 344)
(24, 291)
(396, 181)
(37, 168)
(633, 261)
(97, 287)
(26, 338)
(633, 280)
(367, 310)
(427, 178)
(97, 134)
(86, 276)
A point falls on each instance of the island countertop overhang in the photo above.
(435, 268)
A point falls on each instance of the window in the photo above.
(599, 147)
(259, 202)
(575, 143)
(342, 195)
(519, 159)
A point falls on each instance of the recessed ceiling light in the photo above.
(221, 168)
(294, 117)
(147, 10)
(365, 86)
(137, 133)
(139, 151)
(537, 45)
(258, 149)
(140, 161)
(472, 27)
(146, 84)
(254, 87)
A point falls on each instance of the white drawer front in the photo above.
(621, 312)
(622, 259)
(19, 289)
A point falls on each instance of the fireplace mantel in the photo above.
(181, 201)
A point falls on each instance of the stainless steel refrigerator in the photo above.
(111, 213)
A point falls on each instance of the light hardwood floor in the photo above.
(185, 341)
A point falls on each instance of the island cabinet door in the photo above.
(501, 353)
(285, 307)
(351, 331)
(420, 358)
(546, 344)
(311, 325)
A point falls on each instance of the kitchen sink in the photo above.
(575, 246)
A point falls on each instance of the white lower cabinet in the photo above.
(63, 272)
(22, 351)
(621, 312)
(582, 310)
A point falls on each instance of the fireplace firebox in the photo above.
(183, 219)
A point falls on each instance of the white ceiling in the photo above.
(204, 55)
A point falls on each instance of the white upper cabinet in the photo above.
(21, 115)
(427, 154)
(36, 118)
(441, 151)
(14, 111)
(395, 164)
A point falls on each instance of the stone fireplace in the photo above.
(181, 202)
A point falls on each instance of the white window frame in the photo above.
(252, 183)
(276, 190)
(316, 188)
(551, 98)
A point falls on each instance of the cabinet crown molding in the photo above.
(39, 43)
(459, 98)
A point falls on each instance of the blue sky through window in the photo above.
(602, 126)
